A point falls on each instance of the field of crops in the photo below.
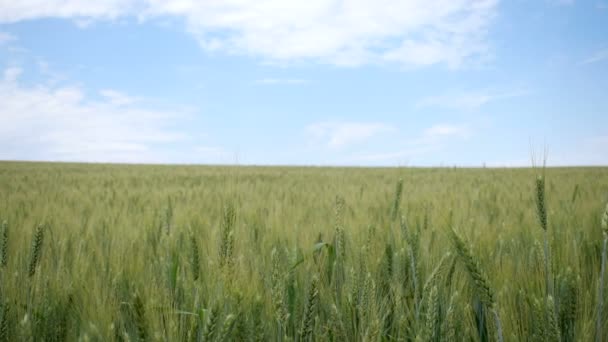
(194, 253)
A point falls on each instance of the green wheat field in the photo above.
(209, 253)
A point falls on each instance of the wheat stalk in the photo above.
(4, 322)
(340, 250)
(480, 281)
(605, 220)
(277, 293)
(211, 326)
(194, 257)
(36, 250)
(340, 239)
(140, 318)
(541, 211)
(227, 235)
(553, 327)
(568, 306)
(229, 323)
(538, 321)
(4, 244)
(600, 296)
(451, 320)
(432, 315)
(310, 312)
(437, 272)
(397, 199)
(413, 240)
(540, 202)
(367, 299)
(168, 216)
(339, 332)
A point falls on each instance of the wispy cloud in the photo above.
(341, 134)
(598, 56)
(586, 151)
(213, 154)
(468, 100)
(429, 140)
(117, 98)
(592, 150)
(43, 122)
(6, 38)
(281, 81)
(11, 74)
(561, 2)
(395, 157)
(445, 130)
(49, 73)
(406, 32)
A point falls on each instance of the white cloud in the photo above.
(442, 131)
(281, 81)
(59, 123)
(341, 134)
(407, 32)
(11, 74)
(6, 38)
(14, 11)
(117, 98)
(468, 100)
(598, 56)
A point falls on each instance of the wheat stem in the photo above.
(600, 296)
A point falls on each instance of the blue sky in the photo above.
(321, 82)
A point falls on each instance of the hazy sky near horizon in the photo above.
(316, 82)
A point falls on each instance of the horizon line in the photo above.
(333, 166)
